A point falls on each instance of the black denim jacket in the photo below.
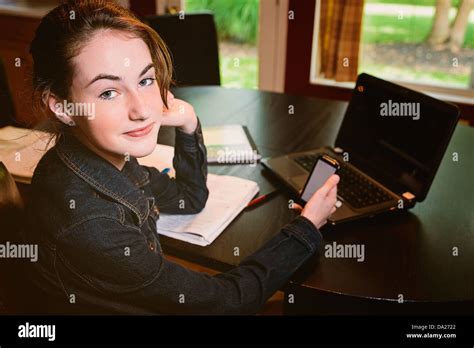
(99, 252)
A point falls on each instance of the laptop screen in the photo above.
(396, 135)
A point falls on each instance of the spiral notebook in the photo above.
(230, 144)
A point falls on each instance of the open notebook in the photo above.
(228, 196)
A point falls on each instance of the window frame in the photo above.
(452, 94)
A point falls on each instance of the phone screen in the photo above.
(321, 172)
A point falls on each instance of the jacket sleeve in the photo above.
(146, 279)
(187, 193)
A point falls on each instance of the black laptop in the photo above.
(389, 146)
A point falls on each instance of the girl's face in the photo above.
(115, 73)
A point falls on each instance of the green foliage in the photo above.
(236, 20)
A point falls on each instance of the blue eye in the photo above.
(147, 82)
(107, 95)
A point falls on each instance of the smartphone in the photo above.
(324, 167)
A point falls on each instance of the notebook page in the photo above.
(228, 196)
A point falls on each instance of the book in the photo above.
(229, 144)
(228, 196)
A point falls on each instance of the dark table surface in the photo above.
(411, 253)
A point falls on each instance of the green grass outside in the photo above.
(412, 75)
(243, 76)
(383, 29)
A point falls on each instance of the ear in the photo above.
(58, 107)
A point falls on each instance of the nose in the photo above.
(137, 109)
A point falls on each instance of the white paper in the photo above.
(228, 196)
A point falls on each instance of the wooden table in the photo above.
(410, 258)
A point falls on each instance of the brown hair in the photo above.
(65, 30)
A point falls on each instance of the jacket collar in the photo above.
(122, 186)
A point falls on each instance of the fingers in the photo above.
(296, 206)
(169, 100)
(332, 194)
(323, 203)
(178, 106)
(175, 107)
(328, 185)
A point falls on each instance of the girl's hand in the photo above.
(322, 203)
(180, 114)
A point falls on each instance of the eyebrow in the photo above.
(117, 78)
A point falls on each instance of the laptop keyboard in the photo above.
(306, 161)
(354, 188)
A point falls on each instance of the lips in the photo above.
(140, 132)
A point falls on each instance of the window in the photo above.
(400, 42)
